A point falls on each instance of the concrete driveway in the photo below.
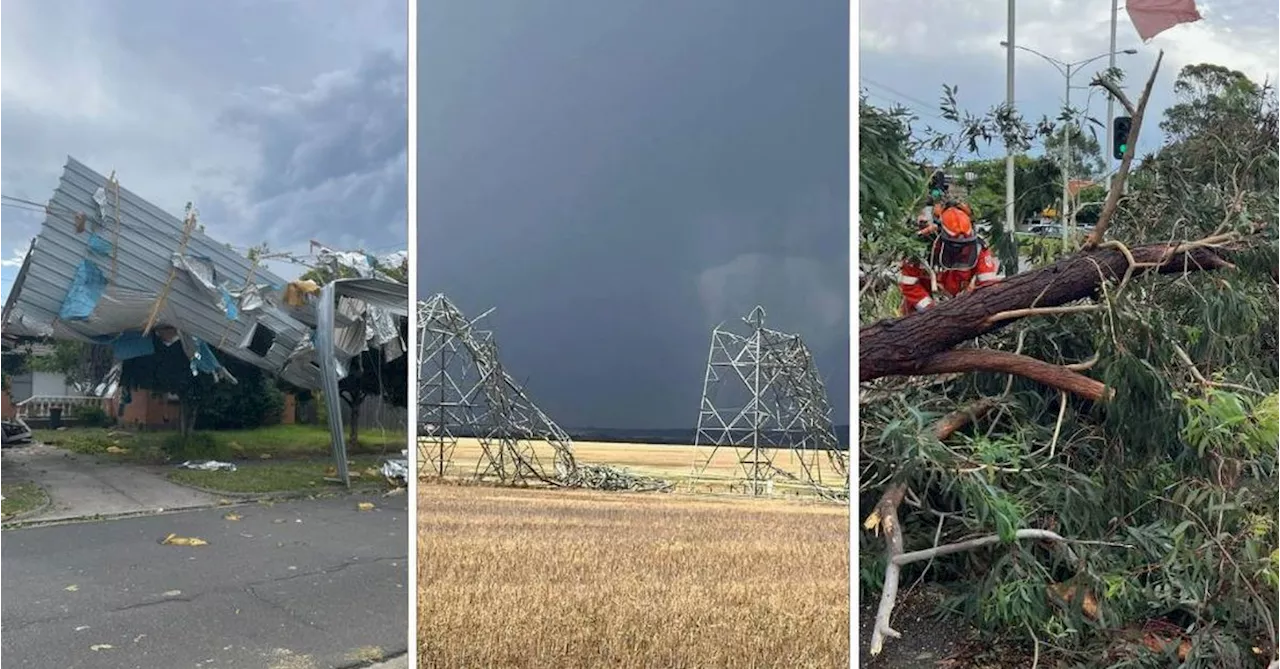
(82, 486)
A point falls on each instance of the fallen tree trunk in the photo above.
(906, 346)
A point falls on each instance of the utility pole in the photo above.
(1111, 102)
(1010, 216)
(1066, 166)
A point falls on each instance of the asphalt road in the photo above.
(297, 585)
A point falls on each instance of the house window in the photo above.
(260, 339)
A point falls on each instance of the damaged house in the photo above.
(110, 268)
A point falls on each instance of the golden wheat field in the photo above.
(576, 579)
(716, 469)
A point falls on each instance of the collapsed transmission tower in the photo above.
(762, 394)
(463, 391)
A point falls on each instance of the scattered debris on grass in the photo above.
(395, 471)
(207, 465)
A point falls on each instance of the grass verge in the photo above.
(20, 498)
(575, 579)
(281, 476)
(276, 441)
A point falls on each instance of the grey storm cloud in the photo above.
(618, 178)
(334, 156)
(281, 125)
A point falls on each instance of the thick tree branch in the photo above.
(899, 346)
(980, 360)
(885, 516)
(991, 540)
(1131, 143)
(961, 417)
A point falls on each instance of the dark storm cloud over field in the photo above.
(617, 178)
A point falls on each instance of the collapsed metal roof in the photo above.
(108, 267)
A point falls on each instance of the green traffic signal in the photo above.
(1120, 130)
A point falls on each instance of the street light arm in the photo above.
(1057, 64)
(1090, 60)
(1062, 68)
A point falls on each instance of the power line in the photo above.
(904, 96)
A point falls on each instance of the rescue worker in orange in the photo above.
(959, 259)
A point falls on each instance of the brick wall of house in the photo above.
(149, 410)
(289, 413)
(7, 409)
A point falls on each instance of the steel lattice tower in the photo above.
(762, 393)
(464, 391)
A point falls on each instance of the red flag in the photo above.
(1152, 17)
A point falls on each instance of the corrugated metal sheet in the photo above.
(145, 241)
(392, 297)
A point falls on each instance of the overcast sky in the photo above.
(618, 177)
(282, 120)
(909, 48)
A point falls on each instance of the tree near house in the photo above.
(203, 402)
(15, 363)
(82, 364)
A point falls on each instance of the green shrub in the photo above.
(90, 416)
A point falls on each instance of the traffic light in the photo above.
(1120, 136)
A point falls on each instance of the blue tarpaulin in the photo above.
(203, 360)
(99, 245)
(229, 304)
(132, 345)
(84, 293)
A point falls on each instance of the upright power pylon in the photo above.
(762, 394)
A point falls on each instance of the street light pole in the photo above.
(1010, 215)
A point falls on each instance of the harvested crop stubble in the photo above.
(575, 579)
